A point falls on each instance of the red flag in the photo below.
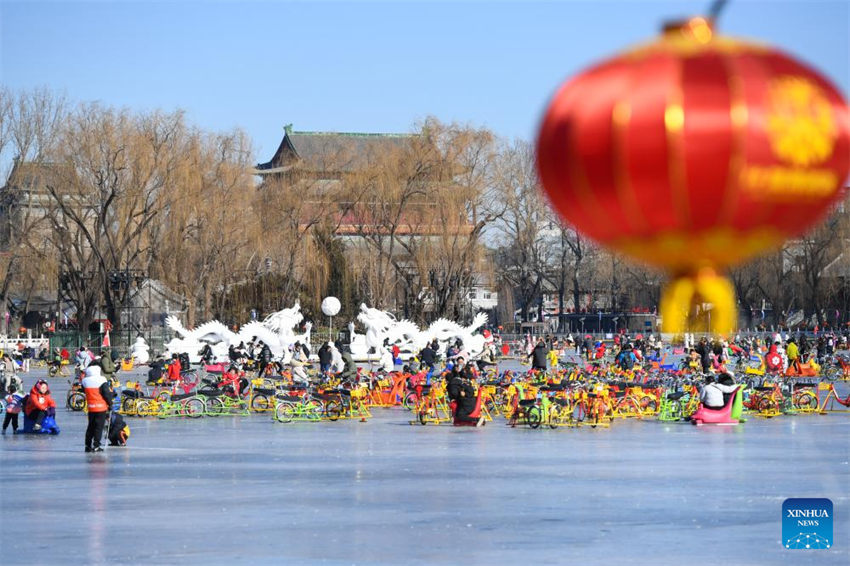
(105, 343)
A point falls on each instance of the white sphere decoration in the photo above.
(331, 306)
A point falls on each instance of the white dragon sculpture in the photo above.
(381, 326)
(276, 330)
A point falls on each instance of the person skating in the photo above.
(14, 401)
(99, 396)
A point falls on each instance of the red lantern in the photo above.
(695, 153)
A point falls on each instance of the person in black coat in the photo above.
(704, 351)
(325, 357)
(264, 358)
(538, 356)
(428, 356)
(461, 392)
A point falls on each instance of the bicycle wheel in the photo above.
(533, 417)
(163, 396)
(766, 405)
(194, 407)
(833, 373)
(128, 406)
(284, 411)
(143, 407)
(333, 410)
(76, 401)
(423, 417)
(806, 401)
(648, 404)
(409, 401)
(215, 406)
(260, 402)
(628, 407)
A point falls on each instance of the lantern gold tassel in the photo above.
(685, 297)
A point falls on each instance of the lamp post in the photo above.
(331, 306)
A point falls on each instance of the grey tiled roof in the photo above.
(333, 151)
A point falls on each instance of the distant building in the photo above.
(324, 166)
(25, 203)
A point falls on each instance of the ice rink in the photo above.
(249, 490)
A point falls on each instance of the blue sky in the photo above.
(355, 66)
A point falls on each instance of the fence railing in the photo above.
(120, 341)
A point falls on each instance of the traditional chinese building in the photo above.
(345, 178)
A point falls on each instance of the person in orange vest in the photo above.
(99, 396)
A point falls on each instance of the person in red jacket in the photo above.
(99, 397)
(231, 381)
(174, 368)
(39, 402)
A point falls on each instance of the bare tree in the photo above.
(209, 234)
(525, 225)
(29, 127)
(116, 167)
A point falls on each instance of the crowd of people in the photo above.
(95, 376)
(710, 357)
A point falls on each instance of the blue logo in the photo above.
(807, 524)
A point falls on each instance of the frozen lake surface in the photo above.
(248, 490)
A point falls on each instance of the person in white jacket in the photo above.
(712, 391)
(298, 362)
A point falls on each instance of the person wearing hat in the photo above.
(99, 398)
(14, 402)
